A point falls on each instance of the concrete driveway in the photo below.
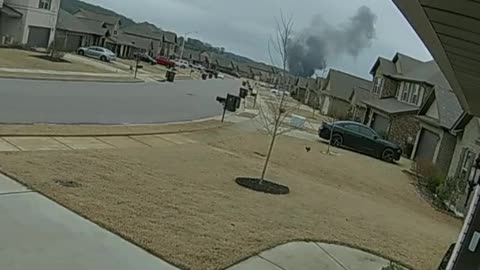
(27, 102)
(36, 233)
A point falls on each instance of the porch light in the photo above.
(473, 179)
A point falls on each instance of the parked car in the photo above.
(165, 62)
(97, 52)
(146, 58)
(197, 66)
(361, 138)
(277, 92)
(220, 76)
(181, 63)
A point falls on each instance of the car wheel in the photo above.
(388, 155)
(103, 58)
(337, 140)
(81, 52)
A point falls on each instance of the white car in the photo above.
(220, 76)
(97, 52)
(277, 92)
(181, 63)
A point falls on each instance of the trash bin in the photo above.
(243, 92)
(204, 76)
(170, 76)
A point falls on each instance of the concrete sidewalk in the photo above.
(36, 233)
(312, 256)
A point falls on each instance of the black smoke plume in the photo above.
(311, 49)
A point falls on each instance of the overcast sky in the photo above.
(244, 26)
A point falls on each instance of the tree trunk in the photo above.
(274, 137)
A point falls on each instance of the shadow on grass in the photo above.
(51, 59)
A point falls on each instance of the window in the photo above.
(466, 163)
(44, 4)
(115, 32)
(405, 92)
(352, 127)
(414, 97)
(367, 132)
(377, 85)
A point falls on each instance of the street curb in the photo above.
(70, 79)
(119, 134)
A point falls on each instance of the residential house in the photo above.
(73, 32)
(223, 64)
(169, 44)
(358, 108)
(105, 21)
(313, 95)
(28, 22)
(401, 86)
(144, 36)
(435, 141)
(336, 92)
(243, 70)
(300, 92)
(262, 72)
(467, 150)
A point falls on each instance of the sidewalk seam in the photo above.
(107, 143)
(64, 144)
(331, 256)
(16, 192)
(12, 144)
(140, 141)
(269, 261)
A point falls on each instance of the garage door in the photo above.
(380, 124)
(73, 43)
(38, 37)
(427, 145)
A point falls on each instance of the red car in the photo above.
(165, 62)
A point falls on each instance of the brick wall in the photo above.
(389, 88)
(403, 131)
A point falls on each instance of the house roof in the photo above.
(87, 14)
(96, 26)
(68, 22)
(134, 41)
(10, 12)
(405, 63)
(448, 106)
(243, 67)
(169, 37)
(144, 29)
(361, 95)
(342, 84)
(390, 105)
(384, 66)
(191, 54)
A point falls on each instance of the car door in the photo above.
(351, 136)
(369, 142)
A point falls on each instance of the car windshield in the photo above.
(238, 135)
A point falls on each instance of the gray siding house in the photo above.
(401, 87)
(467, 150)
(435, 142)
(30, 23)
(337, 91)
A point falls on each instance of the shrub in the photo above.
(393, 266)
(451, 189)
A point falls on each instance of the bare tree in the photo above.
(273, 113)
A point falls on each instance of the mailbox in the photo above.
(232, 103)
(243, 92)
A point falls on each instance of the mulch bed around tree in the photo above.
(262, 186)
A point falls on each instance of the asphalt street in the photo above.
(54, 102)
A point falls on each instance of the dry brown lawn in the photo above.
(13, 58)
(181, 203)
